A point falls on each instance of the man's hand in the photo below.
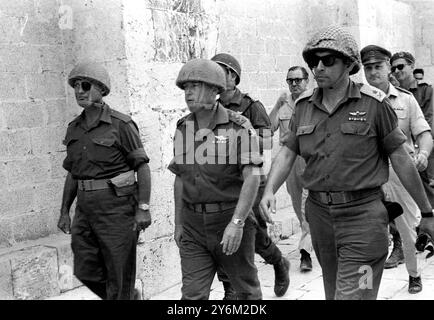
(267, 204)
(421, 160)
(282, 99)
(427, 226)
(179, 229)
(231, 238)
(64, 223)
(142, 220)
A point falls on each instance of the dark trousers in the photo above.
(351, 243)
(103, 242)
(424, 176)
(201, 255)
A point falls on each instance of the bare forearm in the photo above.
(409, 177)
(425, 142)
(280, 169)
(274, 116)
(144, 183)
(247, 194)
(69, 193)
(179, 203)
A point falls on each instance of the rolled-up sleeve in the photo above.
(289, 139)
(132, 145)
(389, 134)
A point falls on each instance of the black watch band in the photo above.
(427, 214)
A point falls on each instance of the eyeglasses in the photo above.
(85, 86)
(399, 67)
(327, 60)
(296, 80)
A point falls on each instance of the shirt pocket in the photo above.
(104, 150)
(72, 147)
(355, 142)
(306, 140)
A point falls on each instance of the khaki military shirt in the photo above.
(210, 161)
(423, 93)
(347, 149)
(284, 115)
(410, 117)
(110, 147)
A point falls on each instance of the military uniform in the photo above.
(211, 172)
(103, 240)
(293, 182)
(412, 122)
(346, 154)
(254, 111)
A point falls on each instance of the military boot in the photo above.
(281, 277)
(397, 256)
(305, 261)
(230, 293)
(414, 284)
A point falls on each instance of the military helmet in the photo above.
(230, 62)
(337, 39)
(92, 71)
(202, 70)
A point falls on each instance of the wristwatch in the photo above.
(238, 222)
(144, 206)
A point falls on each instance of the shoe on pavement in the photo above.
(396, 258)
(281, 277)
(305, 261)
(414, 284)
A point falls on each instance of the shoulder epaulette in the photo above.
(239, 119)
(403, 90)
(373, 92)
(306, 94)
(119, 115)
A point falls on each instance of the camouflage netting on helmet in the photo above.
(202, 70)
(334, 38)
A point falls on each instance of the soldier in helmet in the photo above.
(346, 132)
(216, 156)
(232, 98)
(104, 153)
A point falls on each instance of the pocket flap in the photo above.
(301, 130)
(124, 179)
(107, 142)
(360, 129)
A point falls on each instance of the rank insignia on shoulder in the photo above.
(238, 112)
(221, 139)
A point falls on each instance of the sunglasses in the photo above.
(399, 67)
(327, 60)
(85, 86)
(296, 80)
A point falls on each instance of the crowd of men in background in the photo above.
(353, 157)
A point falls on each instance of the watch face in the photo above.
(237, 221)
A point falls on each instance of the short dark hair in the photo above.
(418, 70)
(302, 69)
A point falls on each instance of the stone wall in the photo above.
(143, 44)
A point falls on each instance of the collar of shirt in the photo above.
(392, 92)
(353, 91)
(221, 116)
(105, 117)
(236, 98)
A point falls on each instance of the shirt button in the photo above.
(328, 135)
(84, 148)
(327, 176)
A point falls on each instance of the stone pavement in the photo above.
(308, 286)
(303, 286)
